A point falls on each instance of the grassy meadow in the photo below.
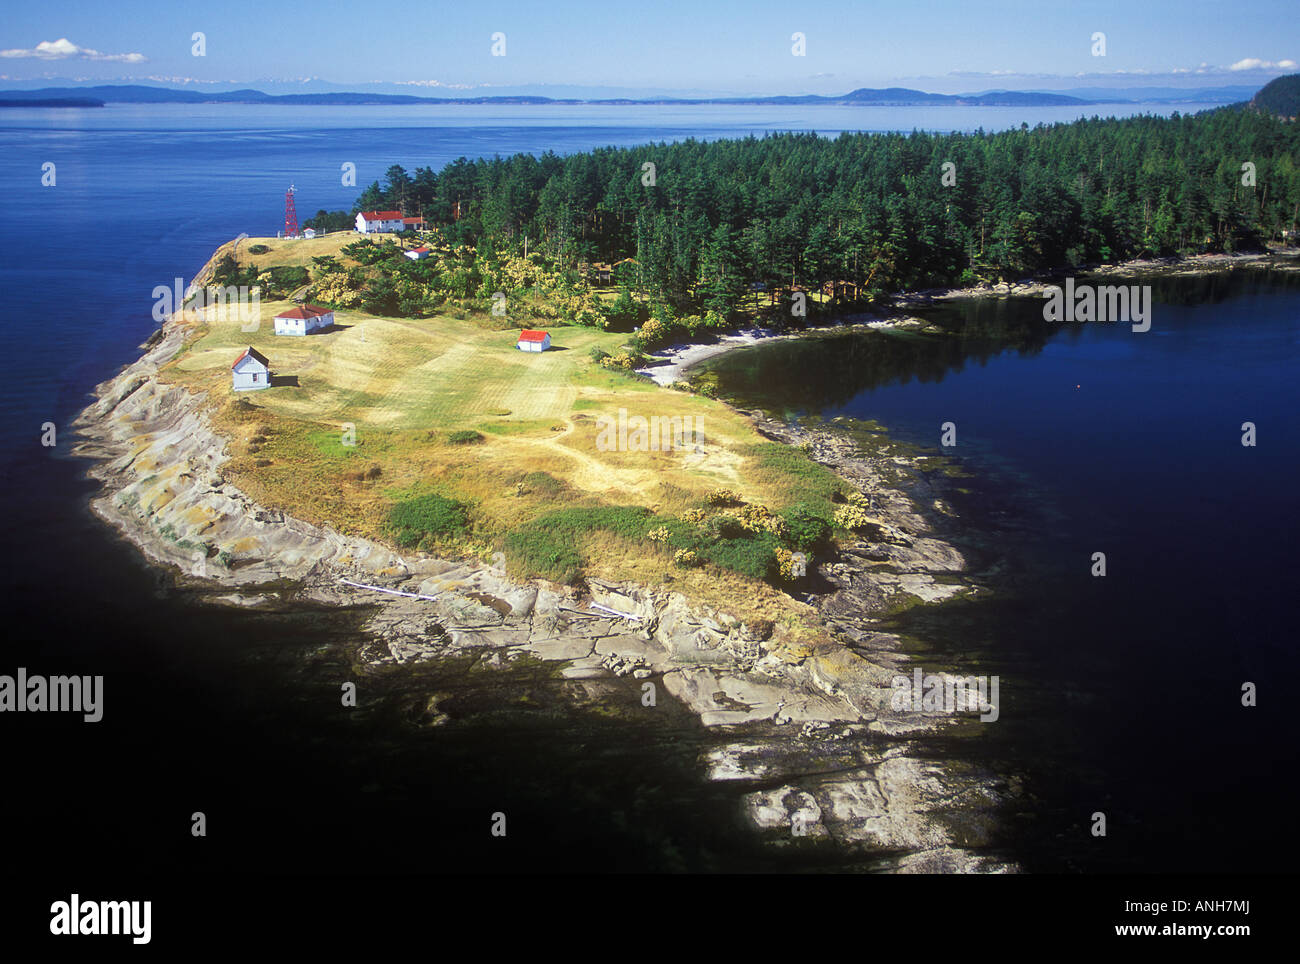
(383, 425)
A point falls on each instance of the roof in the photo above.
(253, 353)
(382, 215)
(304, 311)
(420, 250)
(529, 335)
(412, 220)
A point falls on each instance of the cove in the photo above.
(1120, 693)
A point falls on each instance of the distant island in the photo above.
(863, 97)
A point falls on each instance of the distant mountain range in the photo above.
(84, 96)
(887, 97)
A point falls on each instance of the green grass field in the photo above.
(431, 373)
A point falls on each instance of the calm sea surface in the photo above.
(236, 713)
(1122, 694)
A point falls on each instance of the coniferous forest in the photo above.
(705, 224)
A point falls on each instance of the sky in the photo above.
(742, 47)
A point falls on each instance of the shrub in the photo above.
(785, 565)
(754, 557)
(427, 515)
(805, 529)
(539, 552)
(465, 436)
(853, 517)
(723, 497)
(725, 526)
(624, 313)
(258, 249)
(282, 280)
(686, 558)
(660, 534)
(758, 518)
(654, 333)
(624, 359)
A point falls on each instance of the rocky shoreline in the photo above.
(671, 363)
(811, 734)
(1138, 269)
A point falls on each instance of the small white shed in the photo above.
(303, 320)
(530, 340)
(250, 371)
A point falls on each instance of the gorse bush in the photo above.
(722, 497)
(853, 517)
(785, 565)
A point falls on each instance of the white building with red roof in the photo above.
(373, 222)
(303, 320)
(530, 340)
(417, 254)
(251, 370)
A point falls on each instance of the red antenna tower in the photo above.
(290, 215)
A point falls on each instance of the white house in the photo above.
(250, 371)
(372, 222)
(303, 320)
(309, 232)
(530, 340)
(417, 254)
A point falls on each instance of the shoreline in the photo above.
(782, 715)
(812, 733)
(675, 361)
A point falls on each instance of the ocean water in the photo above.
(144, 193)
(235, 713)
(1122, 694)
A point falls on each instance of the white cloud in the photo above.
(1254, 63)
(1249, 64)
(65, 49)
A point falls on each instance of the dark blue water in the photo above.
(235, 713)
(144, 194)
(1123, 693)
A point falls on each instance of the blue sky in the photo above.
(743, 46)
